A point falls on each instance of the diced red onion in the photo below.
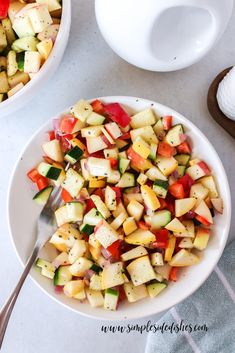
(105, 253)
(175, 174)
(183, 137)
(59, 289)
(190, 215)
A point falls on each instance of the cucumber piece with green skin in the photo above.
(111, 299)
(153, 152)
(96, 268)
(47, 268)
(173, 137)
(43, 195)
(48, 171)
(181, 170)
(182, 159)
(25, 44)
(93, 217)
(20, 61)
(155, 288)
(73, 155)
(123, 164)
(160, 187)
(159, 219)
(159, 130)
(87, 229)
(127, 180)
(74, 211)
(62, 276)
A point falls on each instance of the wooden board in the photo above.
(216, 113)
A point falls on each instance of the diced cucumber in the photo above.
(93, 217)
(181, 170)
(48, 171)
(183, 159)
(95, 119)
(153, 151)
(73, 155)
(96, 268)
(158, 129)
(127, 180)
(20, 61)
(159, 219)
(47, 268)
(173, 137)
(74, 211)
(62, 276)
(73, 182)
(155, 288)
(160, 187)
(87, 229)
(111, 299)
(43, 195)
(123, 164)
(25, 44)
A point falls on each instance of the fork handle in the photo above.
(6, 310)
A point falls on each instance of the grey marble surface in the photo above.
(89, 69)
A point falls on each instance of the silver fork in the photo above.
(44, 228)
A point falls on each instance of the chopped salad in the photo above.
(137, 205)
(28, 30)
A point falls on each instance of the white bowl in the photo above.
(22, 97)
(23, 212)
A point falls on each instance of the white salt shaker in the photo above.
(162, 35)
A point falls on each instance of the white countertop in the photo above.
(89, 69)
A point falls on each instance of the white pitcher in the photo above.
(162, 35)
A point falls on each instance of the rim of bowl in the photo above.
(226, 229)
(57, 50)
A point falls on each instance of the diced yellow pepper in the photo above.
(129, 225)
(141, 147)
(170, 249)
(96, 183)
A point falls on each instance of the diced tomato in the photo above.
(177, 190)
(42, 182)
(125, 136)
(204, 167)
(143, 225)
(170, 200)
(162, 203)
(98, 154)
(99, 193)
(135, 158)
(114, 249)
(97, 106)
(117, 191)
(33, 175)
(113, 163)
(108, 143)
(202, 220)
(186, 181)
(161, 238)
(177, 248)
(117, 114)
(167, 122)
(51, 135)
(67, 124)
(184, 148)
(122, 294)
(164, 149)
(4, 6)
(48, 159)
(65, 195)
(89, 205)
(173, 274)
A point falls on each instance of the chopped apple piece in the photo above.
(175, 226)
(201, 239)
(141, 270)
(203, 210)
(140, 237)
(183, 206)
(184, 258)
(217, 203)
